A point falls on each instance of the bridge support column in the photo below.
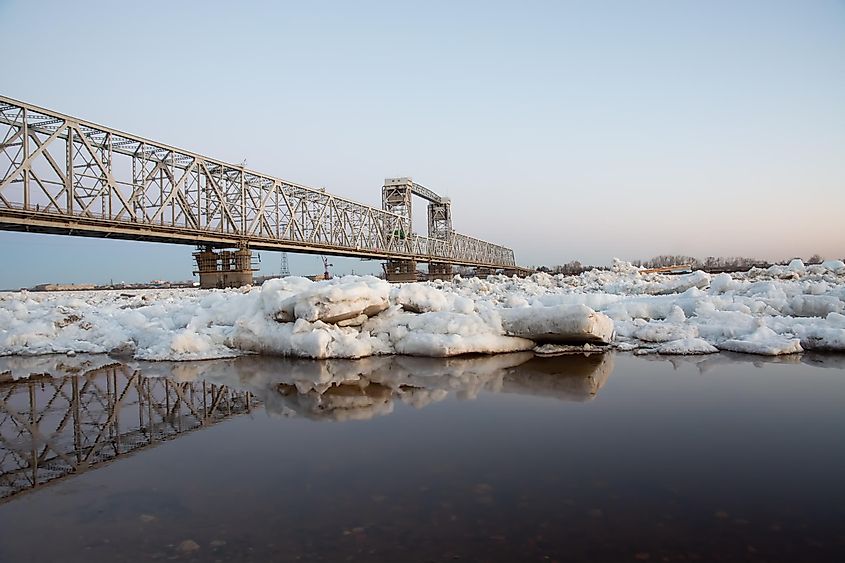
(224, 268)
(400, 270)
(439, 271)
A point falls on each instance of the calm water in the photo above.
(507, 458)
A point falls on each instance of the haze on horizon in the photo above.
(565, 130)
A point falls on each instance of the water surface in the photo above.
(505, 458)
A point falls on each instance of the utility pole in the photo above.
(284, 271)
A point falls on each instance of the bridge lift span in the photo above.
(396, 198)
(64, 175)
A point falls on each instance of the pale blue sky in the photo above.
(566, 130)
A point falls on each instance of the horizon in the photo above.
(344, 266)
(566, 132)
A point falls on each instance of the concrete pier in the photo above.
(224, 268)
(400, 270)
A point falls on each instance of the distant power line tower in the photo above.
(283, 269)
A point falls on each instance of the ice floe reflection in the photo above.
(419, 382)
(711, 362)
(358, 389)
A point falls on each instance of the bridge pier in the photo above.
(400, 271)
(224, 268)
(518, 272)
(481, 272)
(439, 271)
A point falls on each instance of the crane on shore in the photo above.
(326, 274)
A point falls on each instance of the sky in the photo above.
(571, 130)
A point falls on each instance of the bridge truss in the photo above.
(64, 175)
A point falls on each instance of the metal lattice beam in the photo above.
(64, 175)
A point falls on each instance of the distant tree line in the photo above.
(718, 263)
(569, 269)
(709, 264)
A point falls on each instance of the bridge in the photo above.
(63, 175)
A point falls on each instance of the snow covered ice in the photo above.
(773, 311)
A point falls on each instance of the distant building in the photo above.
(64, 287)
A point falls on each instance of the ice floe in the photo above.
(773, 311)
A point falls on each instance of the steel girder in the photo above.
(440, 220)
(427, 194)
(69, 176)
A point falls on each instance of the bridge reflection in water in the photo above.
(56, 425)
(74, 414)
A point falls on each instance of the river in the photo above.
(608, 457)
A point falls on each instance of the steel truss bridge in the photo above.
(53, 427)
(63, 175)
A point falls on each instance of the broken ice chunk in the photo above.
(563, 324)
